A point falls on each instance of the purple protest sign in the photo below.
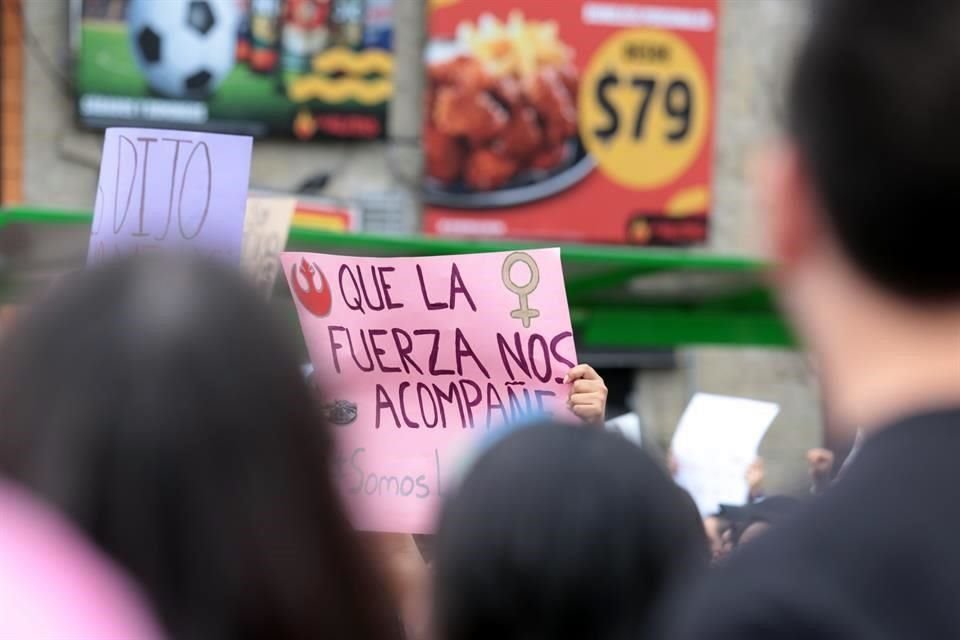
(177, 190)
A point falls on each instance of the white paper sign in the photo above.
(715, 442)
(627, 425)
(265, 230)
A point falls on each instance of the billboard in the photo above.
(581, 120)
(296, 68)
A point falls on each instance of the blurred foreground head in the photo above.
(157, 403)
(559, 532)
(861, 194)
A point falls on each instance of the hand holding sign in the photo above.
(170, 189)
(588, 397)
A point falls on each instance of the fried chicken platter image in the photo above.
(501, 115)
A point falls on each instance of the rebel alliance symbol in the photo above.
(525, 314)
(317, 302)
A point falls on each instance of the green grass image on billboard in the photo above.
(106, 66)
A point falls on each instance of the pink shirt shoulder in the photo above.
(54, 584)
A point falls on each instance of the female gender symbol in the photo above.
(525, 314)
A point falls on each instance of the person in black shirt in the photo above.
(861, 193)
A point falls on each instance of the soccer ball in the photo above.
(185, 48)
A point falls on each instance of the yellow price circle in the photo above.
(643, 107)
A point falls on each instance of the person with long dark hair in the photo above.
(558, 533)
(158, 403)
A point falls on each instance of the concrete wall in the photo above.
(757, 37)
(757, 40)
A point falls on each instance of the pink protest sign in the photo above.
(419, 357)
(178, 190)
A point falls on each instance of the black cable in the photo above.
(314, 184)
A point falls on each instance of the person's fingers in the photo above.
(586, 398)
(586, 412)
(584, 371)
(587, 386)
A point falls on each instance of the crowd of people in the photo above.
(166, 471)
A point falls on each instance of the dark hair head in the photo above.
(561, 532)
(873, 105)
(157, 402)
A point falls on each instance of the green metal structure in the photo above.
(621, 298)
